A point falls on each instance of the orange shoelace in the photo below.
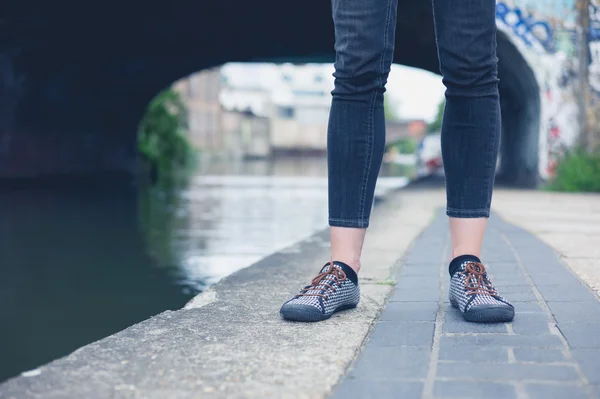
(476, 281)
(318, 283)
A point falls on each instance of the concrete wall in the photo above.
(544, 32)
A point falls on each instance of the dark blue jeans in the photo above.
(364, 45)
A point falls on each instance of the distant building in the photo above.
(200, 92)
(398, 130)
(301, 109)
(257, 109)
(295, 98)
(246, 101)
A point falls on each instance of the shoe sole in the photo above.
(296, 314)
(488, 314)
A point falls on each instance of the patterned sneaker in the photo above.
(335, 288)
(472, 292)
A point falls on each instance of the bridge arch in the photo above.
(78, 85)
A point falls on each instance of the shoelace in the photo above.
(476, 281)
(320, 283)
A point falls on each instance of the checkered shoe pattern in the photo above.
(472, 292)
(335, 288)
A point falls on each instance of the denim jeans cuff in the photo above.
(360, 224)
(468, 213)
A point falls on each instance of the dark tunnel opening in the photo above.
(520, 106)
(86, 105)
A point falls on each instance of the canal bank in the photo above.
(234, 343)
(105, 256)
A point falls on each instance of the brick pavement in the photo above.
(422, 348)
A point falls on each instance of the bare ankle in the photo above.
(346, 245)
(354, 264)
(459, 252)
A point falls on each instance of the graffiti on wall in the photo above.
(531, 31)
(594, 45)
(544, 31)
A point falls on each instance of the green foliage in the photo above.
(161, 138)
(578, 171)
(404, 146)
(436, 125)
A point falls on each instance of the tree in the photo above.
(436, 125)
(161, 136)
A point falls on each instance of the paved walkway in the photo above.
(422, 348)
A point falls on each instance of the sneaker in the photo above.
(472, 292)
(335, 288)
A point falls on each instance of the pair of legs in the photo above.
(364, 43)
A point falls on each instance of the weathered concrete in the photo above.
(421, 347)
(231, 341)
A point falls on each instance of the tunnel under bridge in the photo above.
(76, 78)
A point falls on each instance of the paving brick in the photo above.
(538, 254)
(451, 314)
(528, 307)
(502, 340)
(358, 389)
(520, 297)
(539, 355)
(558, 278)
(581, 312)
(589, 361)
(488, 390)
(503, 269)
(418, 295)
(391, 363)
(419, 271)
(531, 324)
(566, 293)
(555, 391)
(510, 371)
(423, 254)
(475, 354)
(410, 311)
(581, 335)
(418, 282)
(390, 333)
(463, 326)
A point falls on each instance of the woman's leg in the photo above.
(466, 38)
(364, 44)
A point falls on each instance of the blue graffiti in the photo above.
(594, 33)
(526, 27)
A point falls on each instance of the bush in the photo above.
(578, 171)
(161, 138)
(404, 146)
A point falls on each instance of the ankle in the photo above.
(456, 252)
(352, 262)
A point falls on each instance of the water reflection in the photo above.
(78, 265)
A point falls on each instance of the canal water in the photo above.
(79, 264)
